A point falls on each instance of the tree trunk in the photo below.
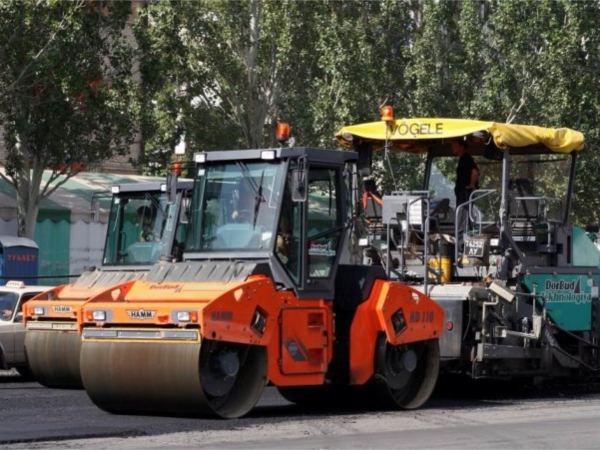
(27, 215)
(255, 119)
(27, 182)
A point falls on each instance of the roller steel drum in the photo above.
(54, 358)
(174, 378)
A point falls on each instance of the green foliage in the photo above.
(545, 73)
(323, 64)
(220, 74)
(68, 98)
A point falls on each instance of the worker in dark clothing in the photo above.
(467, 176)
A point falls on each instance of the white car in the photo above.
(12, 332)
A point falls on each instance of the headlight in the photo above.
(183, 316)
(99, 316)
(38, 311)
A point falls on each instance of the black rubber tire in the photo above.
(419, 384)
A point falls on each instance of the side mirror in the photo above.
(95, 210)
(95, 206)
(300, 181)
(171, 188)
(176, 169)
(184, 209)
(299, 185)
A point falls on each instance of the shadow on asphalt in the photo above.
(6, 378)
(451, 392)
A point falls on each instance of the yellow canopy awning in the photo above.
(416, 135)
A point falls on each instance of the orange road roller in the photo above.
(142, 227)
(272, 289)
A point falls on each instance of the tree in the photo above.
(543, 71)
(228, 71)
(512, 61)
(166, 70)
(217, 73)
(68, 98)
(359, 57)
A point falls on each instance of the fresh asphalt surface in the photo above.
(32, 416)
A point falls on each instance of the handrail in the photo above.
(407, 205)
(484, 193)
(419, 192)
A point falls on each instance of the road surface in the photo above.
(32, 416)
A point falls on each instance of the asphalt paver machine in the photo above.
(517, 280)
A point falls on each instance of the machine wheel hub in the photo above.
(230, 364)
(409, 360)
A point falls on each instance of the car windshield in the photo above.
(235, 206)
(8, 304)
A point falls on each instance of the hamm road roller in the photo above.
(517, 281)
(272, 289)
(142, 227)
